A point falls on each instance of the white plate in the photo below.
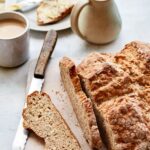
(61, 25)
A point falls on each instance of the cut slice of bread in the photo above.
(81, 104)
(44, 120)
(51, 11)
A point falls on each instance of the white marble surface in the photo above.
(136, 22)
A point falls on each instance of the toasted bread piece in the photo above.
(51, 11)
(81, 104)
(42, 117)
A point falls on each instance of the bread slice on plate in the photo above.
(51, 11)
(81, 104)
(44, 120)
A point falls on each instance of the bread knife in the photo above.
(36, 84)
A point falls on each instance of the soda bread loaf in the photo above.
(119, 87)
(51, 11)
(81, 104)
(42, 117)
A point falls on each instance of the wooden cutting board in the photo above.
(53, 86)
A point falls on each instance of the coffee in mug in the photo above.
(11, 28)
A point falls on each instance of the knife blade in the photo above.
(36, 84)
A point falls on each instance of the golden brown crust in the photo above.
(68, 72)
(89, 66)
(135, 58)
(116, 83)
(128, 121)
(107, 81)
(107, 76)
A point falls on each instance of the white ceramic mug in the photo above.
(14, 51)
(96, 21)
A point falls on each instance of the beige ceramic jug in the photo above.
(96, 21)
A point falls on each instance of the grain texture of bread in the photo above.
(81, 104)
(44, 120)
(119, 87)
(51, 11)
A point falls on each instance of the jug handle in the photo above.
(75, 16)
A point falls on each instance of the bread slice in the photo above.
(81, 104)
(125, 121)
(42, 117)
(51, 11)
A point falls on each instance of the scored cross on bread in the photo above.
(102, 78)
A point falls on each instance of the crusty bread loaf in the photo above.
(42, 117)
(51, 11)
(119, 87)
(81, 104)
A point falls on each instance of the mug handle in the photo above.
(75, 16)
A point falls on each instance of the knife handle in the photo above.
(45, 54)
